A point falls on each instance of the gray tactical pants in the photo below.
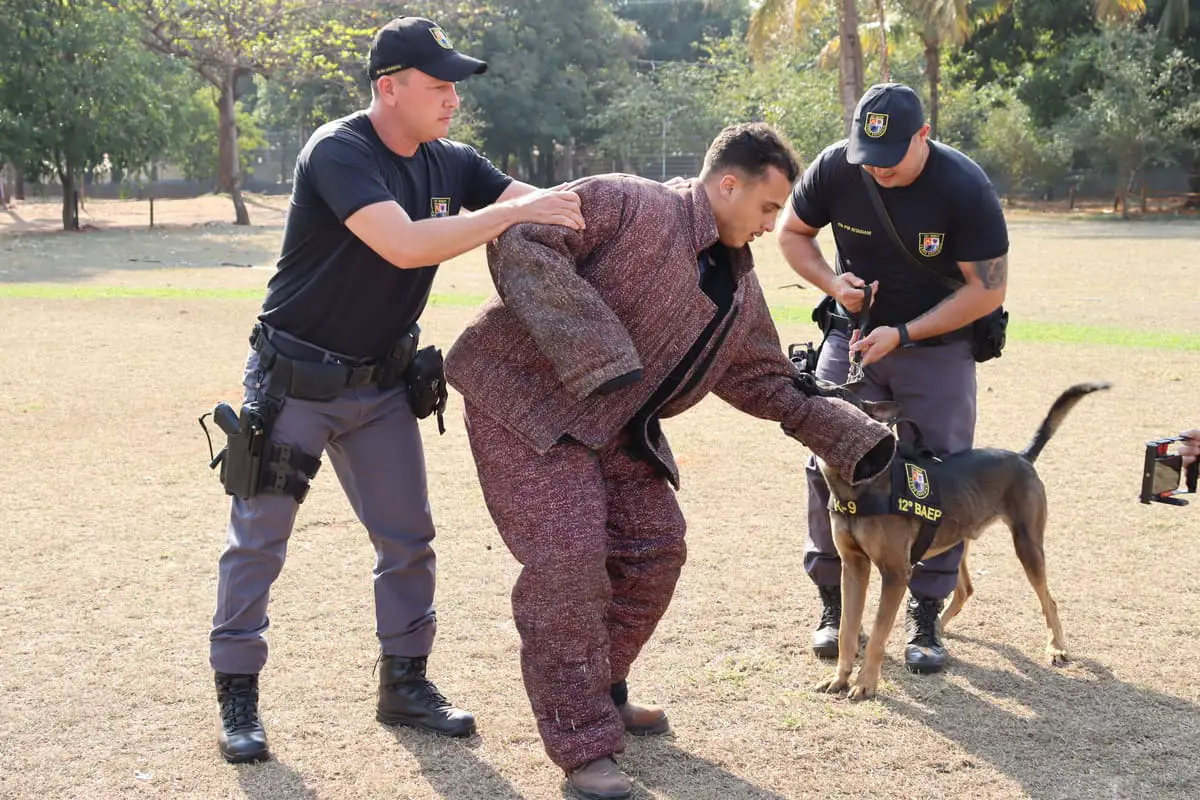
(372, 441)
(935, 387)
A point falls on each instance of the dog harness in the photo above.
(914, 493)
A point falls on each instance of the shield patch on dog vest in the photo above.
(915, 485)
(918, 481)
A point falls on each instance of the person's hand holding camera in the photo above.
(1189, 448)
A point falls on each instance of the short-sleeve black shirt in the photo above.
(330, 288)
(950, 213)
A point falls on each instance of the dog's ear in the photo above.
(885, 411)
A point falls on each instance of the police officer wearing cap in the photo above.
(917, 349)
(374, 210)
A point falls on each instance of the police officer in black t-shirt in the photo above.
(917, 349)
(373, 211)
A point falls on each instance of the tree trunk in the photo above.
(933, 72)
(850, 62)
(18, 183)
(885, 71)
(1124, 177)
(547, 166)
(228, 161)
(66, 178)
(1193, 200)
(528, 166)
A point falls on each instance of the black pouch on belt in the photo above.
(989, 335)
(427, 392)
(394, 366)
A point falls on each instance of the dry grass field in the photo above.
(114, 341)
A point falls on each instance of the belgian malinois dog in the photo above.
(975, 488)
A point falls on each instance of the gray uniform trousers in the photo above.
(372, 440)
(935, 387)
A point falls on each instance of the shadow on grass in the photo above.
(1061, 732)
(658, 765)
(453, 769)
(272, 779)
(456, 773)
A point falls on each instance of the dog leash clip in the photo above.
(856, 373)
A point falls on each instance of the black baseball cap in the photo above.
(417, 43)
(885, 120)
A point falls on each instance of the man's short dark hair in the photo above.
(751, 147)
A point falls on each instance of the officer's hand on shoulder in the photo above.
(551, 207)
(848, 290)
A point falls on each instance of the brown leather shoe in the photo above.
(643, 720)
(601, 779)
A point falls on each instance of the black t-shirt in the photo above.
(950, 213)
(330, 288)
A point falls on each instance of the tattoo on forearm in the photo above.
(993, 272)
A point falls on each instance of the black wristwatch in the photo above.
(905, 341)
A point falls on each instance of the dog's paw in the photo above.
(861, 691)
(1057, 656)
(834, 685)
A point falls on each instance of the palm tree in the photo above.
(1172, 23)
(885, 73)
(942, 22)
(1174, 20)
(1119, 9)
(787, 16)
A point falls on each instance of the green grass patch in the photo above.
(1064, 333)
(1021, 331)
(1049, 332)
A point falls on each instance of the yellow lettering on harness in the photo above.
(845, 508)
(927, 512)
(903, 504)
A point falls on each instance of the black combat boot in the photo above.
(825, 637)
(925, 652)
(407, 697)
(242, 738)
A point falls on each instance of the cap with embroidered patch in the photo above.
(418, 43)
(885, 120)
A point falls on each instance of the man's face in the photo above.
(747, 207)
(909, 167)
(420, 104)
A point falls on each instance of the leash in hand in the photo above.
(857, 374)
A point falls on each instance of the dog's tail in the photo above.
(1058, 412)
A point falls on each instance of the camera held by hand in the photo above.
(1163, 472)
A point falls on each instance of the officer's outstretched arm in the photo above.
(387, 229)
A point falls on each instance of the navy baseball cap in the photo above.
(417, 43)
(885, 120)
